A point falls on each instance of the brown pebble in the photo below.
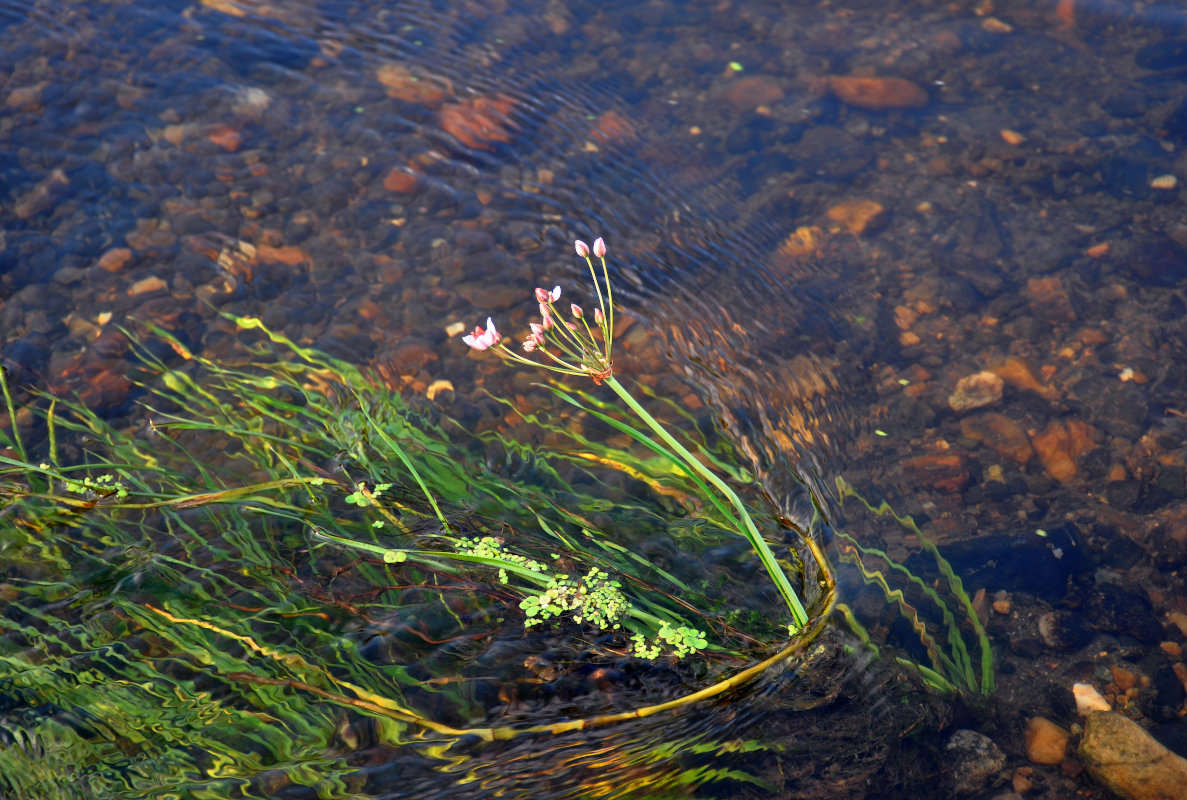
(1061, 445)
(290, 255)
(1049, 297)
(147, 286)
(116, 259)
(746, 94)
(877, 94)
(975, 391)
(1018, 374)
(945, 472)
(1046, 742)
(401, 84)
(1013, 138)
(1001, 606)
(1000, 434)
(1172, 649)
(400, 181)
(226, 137)
(1124, 679)
(856, 216)
(1180, 670)
(25, 96)
(1020, 783)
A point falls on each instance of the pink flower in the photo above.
(599, 248)
(543, 296)
(598, 318)
(483, 339)
(577, 311)
(529, 345)
(537, 328)
(546, 319)
(582, 248)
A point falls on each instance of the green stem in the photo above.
(750, 531)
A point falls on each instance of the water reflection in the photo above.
(820, 253)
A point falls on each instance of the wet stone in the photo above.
(1126, 758)
(1063, 630)
(746, 94)
(973, 759)
(946, 472)
(1060, 447)
(1046, 742)
(1000, 434)
(1114, 609)
(877, 94)
(1049, 297)
(976, 391)
(1118, 408)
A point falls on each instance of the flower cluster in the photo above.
(568, 346)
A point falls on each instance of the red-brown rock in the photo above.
(877, 94)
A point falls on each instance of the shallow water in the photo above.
(819, 267)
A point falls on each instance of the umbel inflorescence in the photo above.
(568, 346)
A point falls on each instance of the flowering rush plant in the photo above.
(567, 346)
(571, 346)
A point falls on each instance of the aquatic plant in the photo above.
(951, 666)
(292, 550)
(571, 347)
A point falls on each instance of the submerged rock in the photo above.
(975, 760)
(976, 391)
(1124, 757)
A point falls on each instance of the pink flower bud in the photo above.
(598, 318)
(529, 345)
(541, 295)
(577, 311)
(582, 248)
(572, 325)
(599, 248)
(547, 320)
(537, 328)
(538, 338)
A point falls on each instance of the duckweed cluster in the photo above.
(593, 599)
(490, 547)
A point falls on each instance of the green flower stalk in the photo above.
(573, 347)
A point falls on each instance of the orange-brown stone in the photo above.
(402, 84)
(1061, 445)
(855, 216)
(1049, 298)
(999, 433)
(115, 259)
(226, 137)
(747, 94)
(945, 472)
(290, 255)
(480, 122)
(1018, 374)
(877, 94)
(400, 181)
(613, 128)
